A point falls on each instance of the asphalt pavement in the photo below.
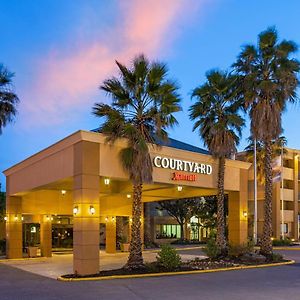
(260, 284)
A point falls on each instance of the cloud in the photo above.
(66, 80)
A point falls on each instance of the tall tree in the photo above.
(269, 81)
(260, 155)
(143, 104)
(205, 209)
(181, 210)
(8, 99)
(216, 117)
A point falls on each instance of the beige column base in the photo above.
(238, 213)
(46, 235)
(111, 234)
(14, 247)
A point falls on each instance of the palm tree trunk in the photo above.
(266, 242)
(135, 259)
(221, 240)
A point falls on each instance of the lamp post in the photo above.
(281, 192)
(255, 197)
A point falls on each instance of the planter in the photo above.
(124, 247)
(32, 251)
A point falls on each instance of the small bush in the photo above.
(168, 258)
(276, 257)
(236, 251)
(212, 250)
(282, 242)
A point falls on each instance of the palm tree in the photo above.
(8, 99)
(219, 123)
(269, 81)
(260, 155)
(143, 105)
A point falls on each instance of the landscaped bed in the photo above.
(155, 268)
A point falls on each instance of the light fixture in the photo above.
(106, 181)
(48, 218)
(106, 219)
(128, 196)
(51, 218)
(16, 218)
(179, 188)
(130, 219)
(272, 239)
(75, 210)
(245, 214)
(5, 218)
(63, 192)
(22, 218)
(113, 219)
(293, 240)
(92, 209)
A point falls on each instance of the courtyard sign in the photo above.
(182, 165)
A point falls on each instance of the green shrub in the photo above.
(212, 250)
(236, 251)
(168, 258)
(282, 242)
(276, 257)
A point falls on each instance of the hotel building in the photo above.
(76, 193)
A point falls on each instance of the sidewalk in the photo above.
(60, 263)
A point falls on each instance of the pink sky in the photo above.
(69, 79)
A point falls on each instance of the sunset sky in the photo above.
(61, 51)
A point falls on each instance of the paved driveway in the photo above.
(260, 284)
(60, 264)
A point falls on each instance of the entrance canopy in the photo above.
(82, 176)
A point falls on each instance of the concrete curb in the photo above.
(287, 248)
(60, 278)
(177, 249)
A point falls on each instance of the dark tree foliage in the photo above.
(8, 99)
(181, 210)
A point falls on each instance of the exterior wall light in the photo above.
(128, 196)
(16, 218)
(75, 210)
(63, 192)
(106, 181)
(92, 209)
(22, 218)
(48, 218)
(179, 188)
(5, 218)
(130, 219)
(113, 219)
(106, 219)
(272, 239)
(245, 214)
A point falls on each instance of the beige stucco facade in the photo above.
(81, 166)
(285, 205)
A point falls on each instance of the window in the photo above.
(285, 227)
(168, 231)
